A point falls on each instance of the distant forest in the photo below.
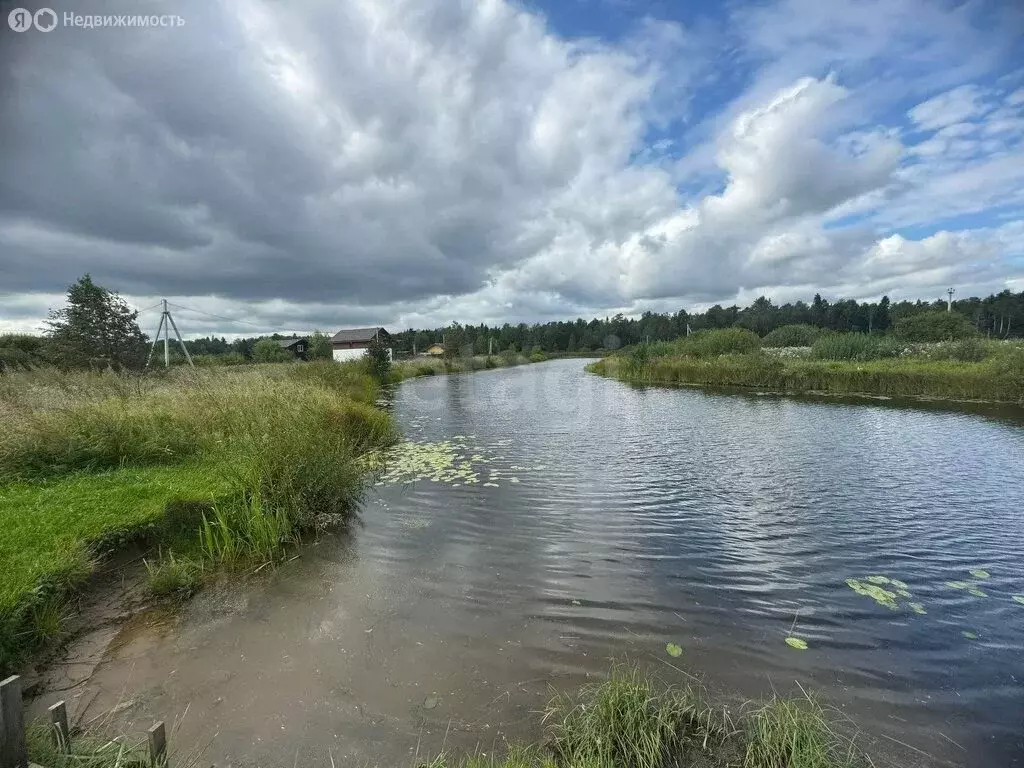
(999, 316)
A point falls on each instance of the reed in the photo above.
(998, 377)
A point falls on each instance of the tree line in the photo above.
(96, 329)
(1000, 315)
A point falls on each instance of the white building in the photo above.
(352, 343)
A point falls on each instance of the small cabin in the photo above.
(296, 346)
(352, 343)
(434, 350)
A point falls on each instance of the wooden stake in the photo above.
(158, 745)
(59, 721)
(13, 749)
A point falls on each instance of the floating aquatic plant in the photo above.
(1018, 599)
(875, 592)
(884, 590)
(980, 574)
(967, 586)
(969, 635)
(673, 650)
(796, 642)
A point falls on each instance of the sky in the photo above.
(321, 164)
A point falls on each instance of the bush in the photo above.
(800, 335)
(934, 325)
(854, 346)
(269, 351)
(378, 359)
(724, 341)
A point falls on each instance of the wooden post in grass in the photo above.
(13, 749)
(157, 746)
(59, 721)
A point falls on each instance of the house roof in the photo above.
(285, 343)
(358, 334)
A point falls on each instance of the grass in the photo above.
(213, 466)
(436, 366)
(629, 721)
(961, 370)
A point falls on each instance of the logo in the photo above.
(21, 20)
(45, 19)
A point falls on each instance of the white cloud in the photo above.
(955, 106)
(421, 162)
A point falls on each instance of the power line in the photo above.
(219, 317)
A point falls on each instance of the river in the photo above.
(606, 521)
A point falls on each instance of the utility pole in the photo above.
(166, 323)
(490, 346)
(949, 301)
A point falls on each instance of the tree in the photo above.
(320, 347)
(933, 325)
(269, 351)
(96, 329)
(378, 359)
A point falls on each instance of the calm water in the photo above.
(615, 520)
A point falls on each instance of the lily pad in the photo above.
(1018, 599)
(980, 574)
(917, 608)
(796, 642)
(431, 702)
(673, 650)
(875, 592)
(968, 586)
(969, 635)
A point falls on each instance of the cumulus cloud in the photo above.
(417, 162)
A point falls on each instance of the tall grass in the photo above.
(723, 341)
(855, 346)
(998, 377)
(220, 464)
(436, 366)
(630, 721)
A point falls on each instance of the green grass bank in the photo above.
(846, 364)
(203, 467)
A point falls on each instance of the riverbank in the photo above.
(202, 467)
(436, 366)
(627, 720)
(222, 466)
(998, 376)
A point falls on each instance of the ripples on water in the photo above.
(711, 520)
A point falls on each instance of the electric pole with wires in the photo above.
(166, 323)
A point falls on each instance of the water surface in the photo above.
(607, 521)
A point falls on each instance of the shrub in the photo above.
(799, 335)
(269, 351)
(934, 325)
(723, 341)
(378, 359)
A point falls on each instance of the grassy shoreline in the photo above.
(205, 468)
(997, 377)
(629, 719)
(213, 467)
